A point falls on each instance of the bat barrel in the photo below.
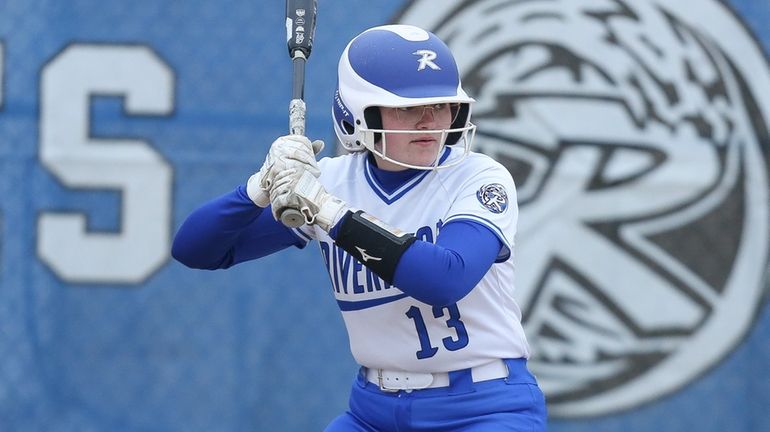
(300, 25)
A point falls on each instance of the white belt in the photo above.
(393, 381)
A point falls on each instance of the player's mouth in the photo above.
(424, 141)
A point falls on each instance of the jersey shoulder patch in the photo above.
(494, 197)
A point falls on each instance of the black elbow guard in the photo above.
(372, 243)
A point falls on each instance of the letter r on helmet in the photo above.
(426, 59)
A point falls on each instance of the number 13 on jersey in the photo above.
(453, 321)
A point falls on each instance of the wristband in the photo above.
(373, 243)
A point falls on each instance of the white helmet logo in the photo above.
(426, 59)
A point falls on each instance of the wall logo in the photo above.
(638, 140)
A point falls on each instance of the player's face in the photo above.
(417, 148)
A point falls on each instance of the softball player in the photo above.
(416, 232)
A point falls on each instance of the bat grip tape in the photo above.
(372, 242)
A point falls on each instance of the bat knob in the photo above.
(292, 218)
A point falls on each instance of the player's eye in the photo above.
(416, 113)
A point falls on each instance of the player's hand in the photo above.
(299, 188)
(290, 151)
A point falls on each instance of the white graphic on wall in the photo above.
(638, 140)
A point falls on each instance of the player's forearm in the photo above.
(443, 273)
(438, 274)
(209, 237)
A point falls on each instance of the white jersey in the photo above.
(387, 328)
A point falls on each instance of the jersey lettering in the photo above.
(347, 274)
(351, 277)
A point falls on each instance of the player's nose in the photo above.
(427, 118)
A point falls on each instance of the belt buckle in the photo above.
(382, 386)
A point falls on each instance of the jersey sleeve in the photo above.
(489, 198)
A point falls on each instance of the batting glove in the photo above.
(299, 188)
(286, 152)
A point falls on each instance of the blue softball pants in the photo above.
(513, 403)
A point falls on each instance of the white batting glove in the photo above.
(300, 189)
(286, 152)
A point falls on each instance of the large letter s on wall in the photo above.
(79, 161)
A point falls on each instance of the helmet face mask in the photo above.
(380, 148)
(398, 66)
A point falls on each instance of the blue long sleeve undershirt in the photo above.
(231, 229)
(442, 273)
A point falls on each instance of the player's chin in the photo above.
(426, 157)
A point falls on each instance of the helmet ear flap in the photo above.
(343, 123)
(460, 122)
(373, 119)
(347, 127)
